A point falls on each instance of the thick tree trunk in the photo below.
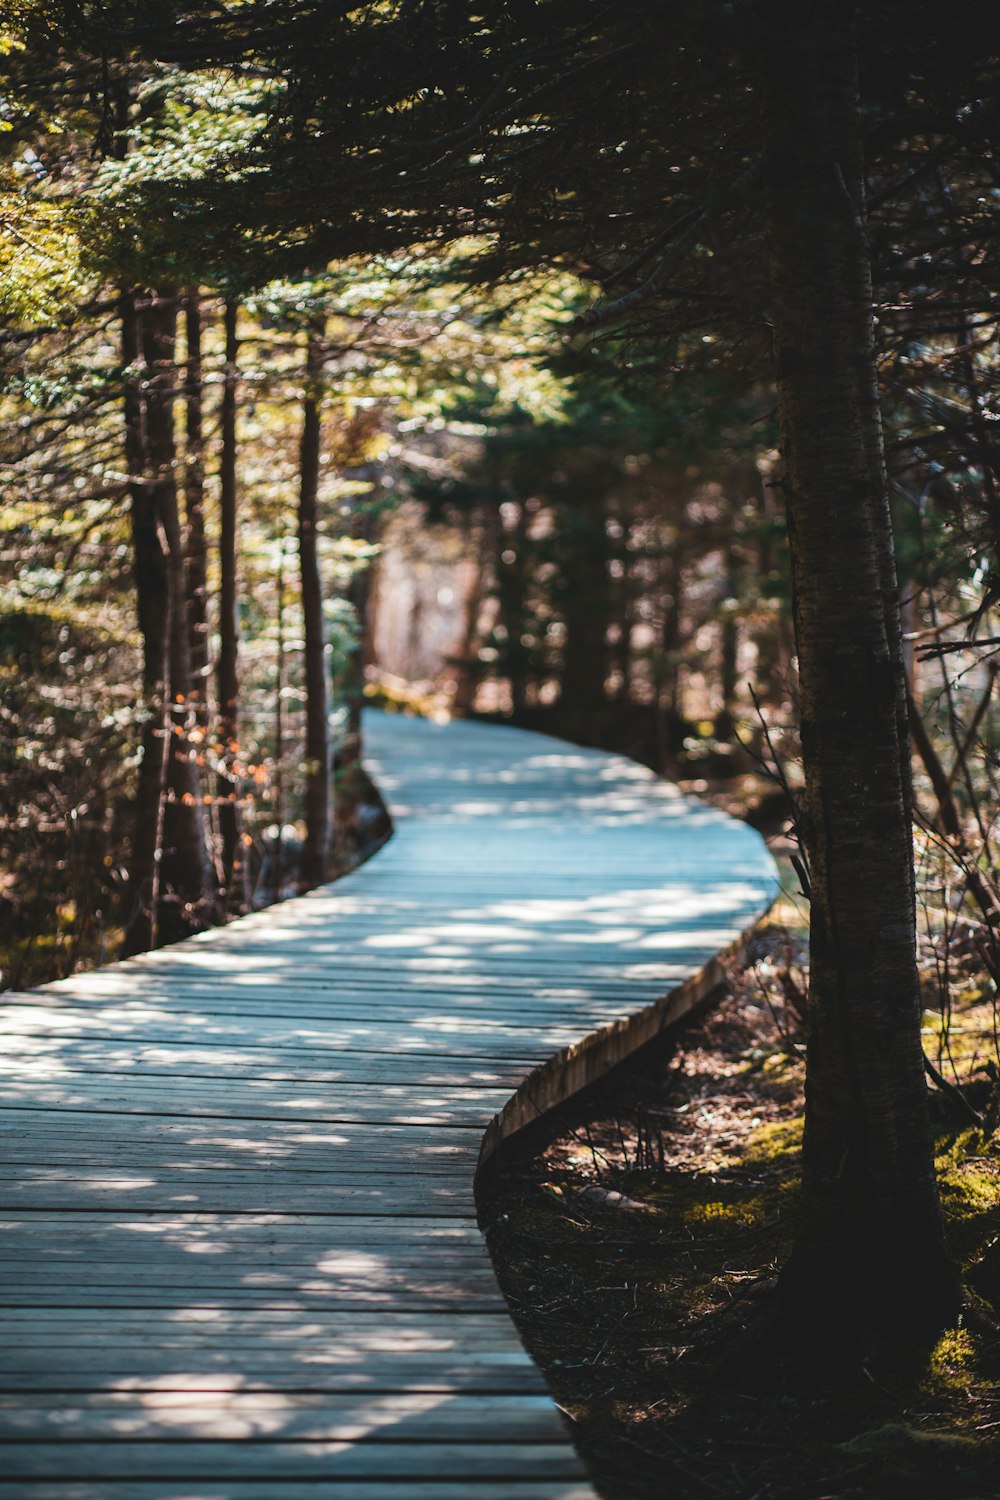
(194, 510)
(871, 1241)
(152, 608)
(318, 796)
(234, 866)
(186, 878)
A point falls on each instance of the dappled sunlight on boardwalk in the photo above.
(237, 1222)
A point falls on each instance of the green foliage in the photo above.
(41, 277)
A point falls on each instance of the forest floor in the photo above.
(639, 1236)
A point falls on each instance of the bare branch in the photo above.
(687, 232)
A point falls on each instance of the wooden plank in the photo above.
(306, 1360)
(260, 1489)
(378, 1458)
(485, 1373)
(235, 1416)
(495, 1010)
(333, 1249)
(454, 1292)
(359, 1359)
(50, 1188)
(211, 1318)
(32, 1135)
(499, 1019)
(461, 1296)
(238, 1250)
(420, 1231)
(257, 1098)
(330, 1254)
(321, 1035)
(453, 1069)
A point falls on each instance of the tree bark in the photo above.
(318, 795)
(152, 608)
(466, 664)
(512, 576)
(194, 509)
(729, 632)
(871, 1242)
(234, 865)
(666, 663)
(186, 878)
(350, 786)
(278, 780)
(584, 599)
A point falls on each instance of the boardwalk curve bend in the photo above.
(239, 1241)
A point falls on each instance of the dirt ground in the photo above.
(638, 1240)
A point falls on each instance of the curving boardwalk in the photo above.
(237, 1225)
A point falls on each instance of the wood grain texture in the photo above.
(238, 1242)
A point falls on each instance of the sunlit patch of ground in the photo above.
(642, 1236)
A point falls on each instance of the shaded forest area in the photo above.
(486, 380)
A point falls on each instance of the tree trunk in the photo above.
(318, 800)
(512, 566)
(729, 630)
(871, 1242)
(350, 785)
(585, 602)
(670, 726)
(466, 663)
(152, 608)
(772, 670)
(194, 510)
(234, 865)
(729, 650)
(625, 593)
(186, 880)
(278, 780)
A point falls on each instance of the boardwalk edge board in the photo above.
(575, 1068)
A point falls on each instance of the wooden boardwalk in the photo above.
(239, 1245)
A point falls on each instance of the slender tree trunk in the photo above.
(194, 510)
(586, 604)
(152, 608)
(729, 644)
(279, 734)
(234, 865)
(318, 796)
(187, 890)
(729, 632)
(350, 787)
(666, 672)
(466, 662)
(625, 604)
(773, 666)
(512, 582)
(871, 1241)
